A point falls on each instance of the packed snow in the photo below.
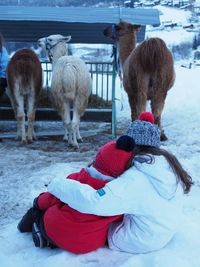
(26, 170)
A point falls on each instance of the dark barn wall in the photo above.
(85, 25)
(31, 31)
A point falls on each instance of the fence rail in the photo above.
(101, 101)
(101, 74)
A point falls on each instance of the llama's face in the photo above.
(54, 45)
(52, 40)
(119, 30)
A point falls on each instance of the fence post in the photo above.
(113, 102)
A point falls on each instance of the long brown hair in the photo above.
(178, 170)
(1, 42)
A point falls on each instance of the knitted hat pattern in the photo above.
(144, 131)
(113, 158)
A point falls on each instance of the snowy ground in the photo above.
(26, 170)
(33, 166)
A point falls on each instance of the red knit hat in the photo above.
(113, 158)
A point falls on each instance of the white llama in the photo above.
(71, 83)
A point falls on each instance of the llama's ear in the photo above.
(67, 38)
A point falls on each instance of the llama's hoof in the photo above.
(163, 137)
(80, 140)
(65, 138)
(24, 141)
(30, 141)
(74, 146)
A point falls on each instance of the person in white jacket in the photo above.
(149, 194)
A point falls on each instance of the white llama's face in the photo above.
(53, 43)
(52, 40)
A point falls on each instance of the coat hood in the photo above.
(160, 175)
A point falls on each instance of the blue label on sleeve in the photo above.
(101, 192)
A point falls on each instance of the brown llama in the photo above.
(148, 70)
(24, 77)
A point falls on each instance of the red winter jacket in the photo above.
(70, 229)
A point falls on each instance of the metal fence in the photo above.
(103, 88)
(101, 74)
(101, 106)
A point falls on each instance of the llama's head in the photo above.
(54, 45)
(119, 30)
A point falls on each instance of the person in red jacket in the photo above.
(55, 224)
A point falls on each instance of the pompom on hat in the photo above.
(147, 116)
(113, 158)
(144, 131)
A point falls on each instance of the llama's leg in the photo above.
(31, 116)
(17, 102)
(66, 121)
(133, 104)
(78, 135)
(75, 133)
(137, 105)
(157, 105)
(142, 101)
(13, 104)
(20, 117)
(77, 110)
(75, 127)
(11, 96)
(136, 88)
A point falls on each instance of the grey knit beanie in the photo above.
(143, 131)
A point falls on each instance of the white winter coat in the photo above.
(148, 195)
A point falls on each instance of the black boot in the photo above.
(26, 223)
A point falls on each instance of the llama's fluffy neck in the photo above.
(58, 51)
(126, 44)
